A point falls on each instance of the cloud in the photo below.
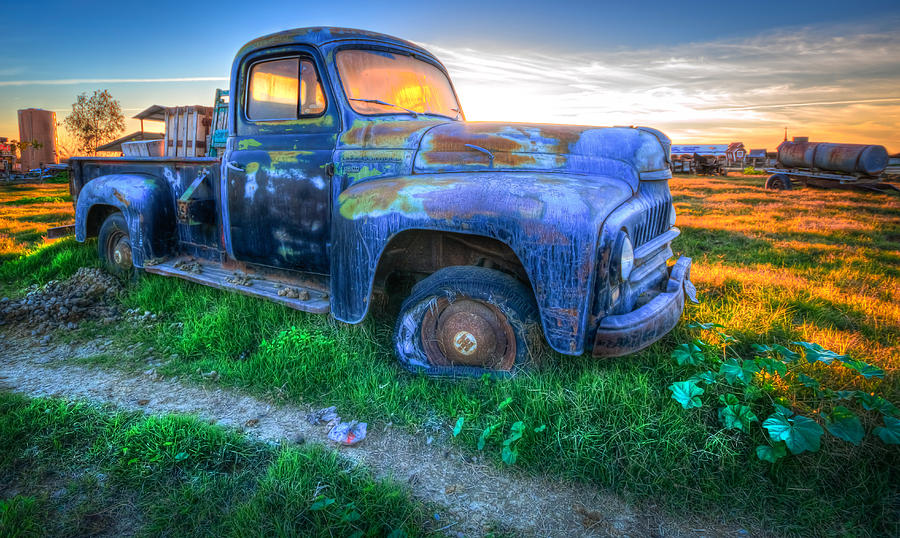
(69, 81)
(839, 83)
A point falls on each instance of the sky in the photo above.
(702, 72)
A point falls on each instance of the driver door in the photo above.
(277, 189)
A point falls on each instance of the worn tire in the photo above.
(504, 315)
(114, 246)
(779, 182)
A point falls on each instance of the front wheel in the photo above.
(466, 321)
(114, 246)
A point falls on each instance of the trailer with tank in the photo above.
(824, 164)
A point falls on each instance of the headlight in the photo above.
(672, 216)
(626, 260)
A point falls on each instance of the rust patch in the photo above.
(121, 197)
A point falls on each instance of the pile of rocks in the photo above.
(88, 294)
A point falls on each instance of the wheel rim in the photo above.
(118, 250)
(468, 332)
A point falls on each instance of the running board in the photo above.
(213, 274)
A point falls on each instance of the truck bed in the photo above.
(84, 169)
(196, 239)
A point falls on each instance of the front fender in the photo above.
(145, 201)
(550, 221)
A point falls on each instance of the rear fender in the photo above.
(145, 201)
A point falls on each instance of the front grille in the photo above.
(653, 222)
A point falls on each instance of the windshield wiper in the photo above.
(385, 103)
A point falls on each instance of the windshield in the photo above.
(378, 82)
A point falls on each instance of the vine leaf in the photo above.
(734, 415)
(772, 366)
(509, 455)
(890, 432)
(786, 354)
(782, 410)
(808, 382)
(321, 503)
(752, 393)
(458, 427)
(515, 433)
(735, 371)
(482, 439)
(708, 377)
(865, 369)
(688, 354)
(844, 425)
(816, 353)
(800, 434)
(704, 326)
(871, 402)
(771, 453)
(686, 393)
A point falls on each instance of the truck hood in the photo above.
(377, 149)
(620, 152)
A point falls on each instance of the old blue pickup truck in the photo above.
(350, 170)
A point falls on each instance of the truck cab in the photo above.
(350, 169)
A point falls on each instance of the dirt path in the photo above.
(475, 496)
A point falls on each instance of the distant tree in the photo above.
(95, 120)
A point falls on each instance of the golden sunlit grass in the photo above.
(814, 265)
(27, 210)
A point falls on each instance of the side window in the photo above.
(284, 89)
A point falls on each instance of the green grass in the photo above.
(28, 200)
(82, 470)
(610, 422)
(808, 266)
(54, 261)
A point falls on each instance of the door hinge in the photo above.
(329, 169)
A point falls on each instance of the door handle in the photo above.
(238, 167)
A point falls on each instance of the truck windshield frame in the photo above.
(363, 95)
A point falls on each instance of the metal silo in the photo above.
(38, 124)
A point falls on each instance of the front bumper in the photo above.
(626, 333)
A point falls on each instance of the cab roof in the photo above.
(320, 35)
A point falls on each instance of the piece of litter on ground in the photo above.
(326, 414)
(348, 433)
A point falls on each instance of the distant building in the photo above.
(733, 154)
(757, 158)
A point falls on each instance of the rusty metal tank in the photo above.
(40, 125)
(848, 158)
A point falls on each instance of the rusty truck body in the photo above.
(350, 169)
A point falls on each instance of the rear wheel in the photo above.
(466, 321)
(114, 246)
(779, 182)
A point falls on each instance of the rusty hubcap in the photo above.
(468, 332)
(120, 250)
